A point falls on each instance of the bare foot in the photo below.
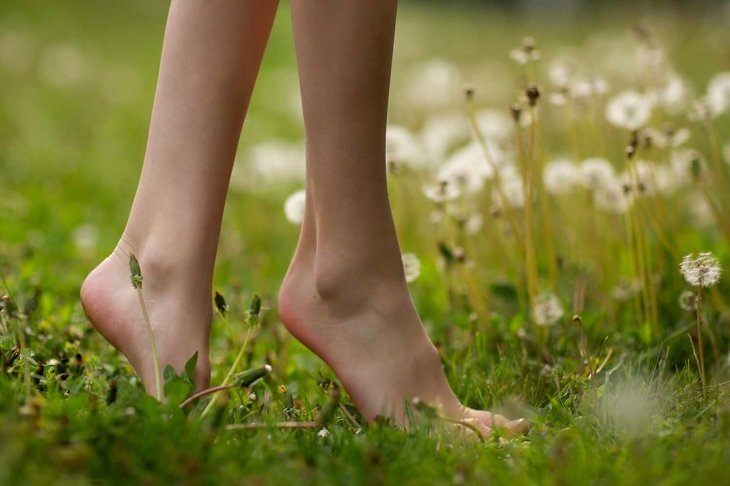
(373, 339)
(179, 313)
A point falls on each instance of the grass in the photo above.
(614, 397)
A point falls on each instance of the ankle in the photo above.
(163, 268)
(357, 280)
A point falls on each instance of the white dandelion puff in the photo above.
(402, 147)
(628, 109)
(560, 176)
(411, 266)
(718, 93)
(294, 207)
(441, 191)
(688, 301)
(435, 84)
(595, 173)
(703, 271)
(613, 197)
(440, 134)
(547, 309)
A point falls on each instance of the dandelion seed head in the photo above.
(625, 289)
(513, 190)
(441, 191)
(495, 125)
(612, 197)
(688, 301)
(270, 164)
(671, 94)
(64, 65)
(595, 173)
(402, 147)
(702, 271)
(435, 84)
(718, 93)
(411, 266)
(560, 176)
(440, 134)
(85, 237)
(547, 309)
(294, 207)
(629, 110)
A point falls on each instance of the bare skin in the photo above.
(345, 295)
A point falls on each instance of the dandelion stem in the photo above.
(153, 345)
(698, 310)
(229, 375)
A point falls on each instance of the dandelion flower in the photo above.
(688, 301)
(629, 110)
(595, 173)
(442, 133)
(560, 176)
(612, 197)
(435, 84)
(718, 93)
(547, 309)
(411, 266)
(441, 192)
(703, 271)
(294, 207)
(402, 147)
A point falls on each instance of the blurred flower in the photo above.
(466, 170)
(270, 163)
(323, 433)
(587, 87)
(441, 192)
(402, 147)
(671, 95)
(473, 223)
(64, 65)
(294, 207)
(560, 176)
(666, 138)
(718, 93)
(442, 133)
(703, 271)
(562, 72)
(85, 237)
(595, 173)
(495, 125)
(612, 197)
(625, 289)
(688, 301)
(435, 84)
(411, 266)
(527, 52)
(700, 110)
(547, 309)
(629, 110)
(513, 190)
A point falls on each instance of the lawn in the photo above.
(548, 172)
